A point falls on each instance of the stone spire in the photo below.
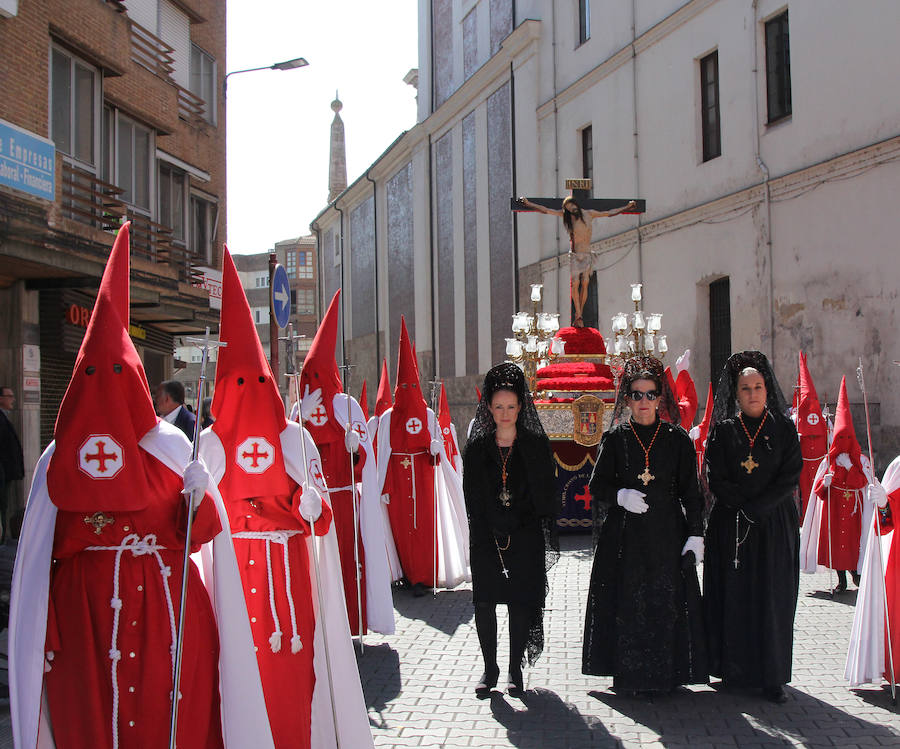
(337, 165)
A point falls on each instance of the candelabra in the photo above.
(642, 334)
(534, 338)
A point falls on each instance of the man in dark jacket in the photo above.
(170, 405)
(12, 462)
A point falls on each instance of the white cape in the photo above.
(375, 537)
(354, 721)
(812, 522)
(452, 521)
(244, 721)
(865, 654)
(395, 571)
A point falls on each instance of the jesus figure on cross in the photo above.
(578, 224)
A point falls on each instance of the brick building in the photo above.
(110, 113)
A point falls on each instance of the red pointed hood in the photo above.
(409, 419)
(809, 412)
(320, 371)
(107, 408)
(707, 416)
(844, 438)
(383, 399)
(364, 401)
(247, 406)
(477, 395)
(450, 446)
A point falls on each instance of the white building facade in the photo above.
(764, 136)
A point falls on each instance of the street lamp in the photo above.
(297, 62)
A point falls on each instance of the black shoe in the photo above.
(418, 590)
(487, 681)
(839, 588)
(775, 694)
(855, 575)
(514, 682)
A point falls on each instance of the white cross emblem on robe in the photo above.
(812, 419)
(100, 457)
(414, 425)
(319, 417)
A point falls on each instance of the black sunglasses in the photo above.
(637, 395)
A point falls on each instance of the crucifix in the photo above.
(578, 211)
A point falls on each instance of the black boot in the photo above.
(775, 694)
(842, 582)
(855, 575)
(486, 627)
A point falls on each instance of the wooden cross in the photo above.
(750, 464)
(99, 521)
(581, 191)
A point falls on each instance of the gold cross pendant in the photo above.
(646, 476)
(750, 464)
(99, 521)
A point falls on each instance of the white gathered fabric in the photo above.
(278, 537)
(138, 547)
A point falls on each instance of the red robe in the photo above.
(288, 678)
(411, 512)
(336, 467)
(80, 625)
(841, 518)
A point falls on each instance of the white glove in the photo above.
(351, 441)
(196, 479)
(310, 505)
(695, 544)
(309, 403)
(684, 361)
(877, 494)
(435, 448)
(826, 479)
(695, 432)
(843, 460)
(632, 500)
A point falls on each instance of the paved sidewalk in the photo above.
(419, 684)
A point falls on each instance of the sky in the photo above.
(279, 122)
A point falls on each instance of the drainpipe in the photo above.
(559, 280)
(512, 134)
(375, 262)
(634, 123)
(434, 362)
(761, 165)
(343, 296)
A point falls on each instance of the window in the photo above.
(74, 106)
(203, 81)
(173, 188)
(305, 302)
(719, 326)
(709, 106)
(778, 68)
(291, 264)
(203, 227)
(133, 149)
(262, 280)
(261, 315)
(304, 264)
(584, 21)
(587, 152)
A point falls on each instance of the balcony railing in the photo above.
(92, 201)
(191, 108)
(151, 52)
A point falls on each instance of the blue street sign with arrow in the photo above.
(281, 296)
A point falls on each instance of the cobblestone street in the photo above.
(419, 684)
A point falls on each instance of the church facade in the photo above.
(767, 157)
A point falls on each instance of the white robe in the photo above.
(395, 571)
(451, 519)
(865, 654)
(354, 722)
(244, 721)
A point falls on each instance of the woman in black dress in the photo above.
(512, 506)
(752, 571)
(644, 619)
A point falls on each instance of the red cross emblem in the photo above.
(414, 425)
(361, 430)
(100, 456)
(446, 431)
(812, 419)
(319, 417)
(315, 475)
(584, 497)
(255, 455)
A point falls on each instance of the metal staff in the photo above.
(862, 386)
(435, 408)
(346, 386)
(204, 344)
(295, 377)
